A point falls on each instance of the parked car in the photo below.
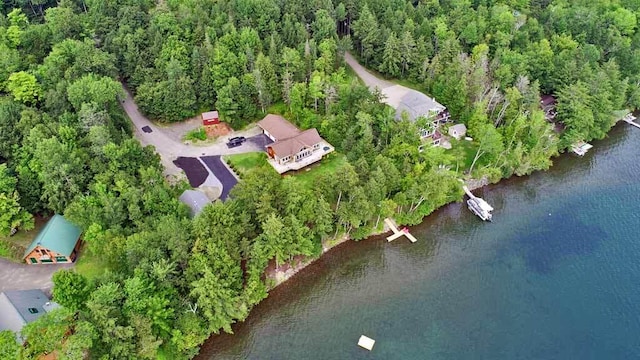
(236, 141)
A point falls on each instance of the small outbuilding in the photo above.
(210, 118)
(58, 242)
(458, 131)
(195, 200)
(20, 307)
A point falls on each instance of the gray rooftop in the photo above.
(195, 200)
(15, 308)
(417, 104)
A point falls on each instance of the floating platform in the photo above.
(366, 342)
(398, 233)
(581, 148)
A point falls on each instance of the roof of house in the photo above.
(459, 128)
(59, 235)
(20, 307)
(547, 100)
(278, 127)
(293, 145)
(195, 200)
(209, 115)
(417, 104)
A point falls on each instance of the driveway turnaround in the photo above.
(220, 170)
(196, 172)
(173, 152)
(15, 276)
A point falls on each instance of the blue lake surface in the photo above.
(555, 276)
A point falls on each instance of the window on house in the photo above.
(33, 310)
(33, 260)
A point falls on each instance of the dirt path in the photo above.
(15, 276)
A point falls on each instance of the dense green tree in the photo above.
(24, 87)
(70, 289)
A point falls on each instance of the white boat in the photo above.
(481, 208)
(478, 206)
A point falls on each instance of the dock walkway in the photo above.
(629, 120)
(398, 233)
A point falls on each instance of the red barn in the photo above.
(210, 118)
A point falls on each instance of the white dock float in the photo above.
(366, 342)
(398, 233)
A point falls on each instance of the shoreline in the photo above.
(280, 274)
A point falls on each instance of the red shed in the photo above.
(210, 118)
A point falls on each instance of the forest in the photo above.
(168, 282)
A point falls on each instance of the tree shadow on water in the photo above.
(555, 239)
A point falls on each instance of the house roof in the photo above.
(59, 235)
(278, 127)
(210, 115)
(417, 104)
(459, 128)
(15, 305)
(293, 145)
(195, 200)
(547, 100)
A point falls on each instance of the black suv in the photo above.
(236, 141)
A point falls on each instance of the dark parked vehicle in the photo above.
(236, 141)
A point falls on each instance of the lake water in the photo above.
(555, 276)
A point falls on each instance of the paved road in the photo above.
(170, 149)
(220, 170)
(15, 276)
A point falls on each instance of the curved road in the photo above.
(170, 150)
(14, 276)
(368, 78)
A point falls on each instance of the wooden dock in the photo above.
(629, 120)
(398, 233)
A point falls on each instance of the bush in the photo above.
(196, 134)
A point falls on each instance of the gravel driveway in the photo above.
(15, 276)
(368, 78)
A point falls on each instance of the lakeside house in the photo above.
(548, 105)
(58, 242)
(415, 105)
(20, 307)
(292, 148)
(195, 200)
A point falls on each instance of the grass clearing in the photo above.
(88, 264)
(242, 163)
(13, 247)
(198, 134)
(328, 165)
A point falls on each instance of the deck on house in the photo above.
(325, 148)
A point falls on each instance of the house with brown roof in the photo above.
(292, 148)
(548, 105)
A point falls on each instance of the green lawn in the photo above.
(242, 163)
(13, 247)
(464, 151)
(88, 264)
(328, 165)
